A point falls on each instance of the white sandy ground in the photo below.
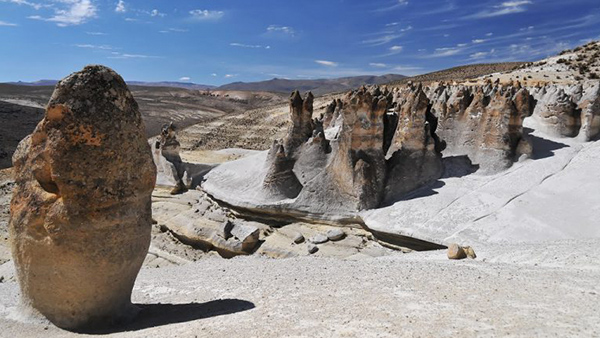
(555, 195)
(547, 289)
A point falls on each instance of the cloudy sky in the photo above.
(221, 41)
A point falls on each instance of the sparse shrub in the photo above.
(593, 76)
(561, 60)
(578, 78)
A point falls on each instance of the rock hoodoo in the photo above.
(81, 210)
(169, 166)
(568, 110)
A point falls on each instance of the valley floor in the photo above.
(527, 290)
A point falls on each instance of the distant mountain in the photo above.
(318, 87)
(36, 83)
(185, 85)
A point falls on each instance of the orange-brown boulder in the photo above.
(81, 210)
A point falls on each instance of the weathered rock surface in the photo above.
(81, 210)
(483, 122)
(336, 234)
(171, 170)
(564, 110)
(379, 146)
(456, 251)
(414, 154)
(203, 224)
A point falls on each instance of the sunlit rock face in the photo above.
(81, 210)
(374, 146)
(484, 123)
(568, 110)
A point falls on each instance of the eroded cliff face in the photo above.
(564, 110)
(375, 146)
(345, 166)
(484, 123)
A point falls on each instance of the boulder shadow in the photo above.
(196, 172)
(542, 148)
(454, 166)
(154, 315)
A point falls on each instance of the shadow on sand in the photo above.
(542, 148)
(454, 166)
(153, 315)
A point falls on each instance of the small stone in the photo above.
(312, 248)
(318, 239)
(470, 252)
(336, 234)
(455, 251)
(298, 238)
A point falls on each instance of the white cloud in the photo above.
(70, 13)
(489, 34)
(478, 41)
(89, 46)
(243, 45)
(185, 78)
(382, 40)
(377, 65)
(406, 29)
(213, 74)
(327, 63)
(478, 55)
(4, 23)
(507, 7)
(462, 45)
(447, 51)
(205, 14)
(155, 12)
(227, 76)
(393, 5)
(132, 56)
(120, 7)
(35, 5)
(391, 24)
(287, 30)
(95, 33)
(396, 49)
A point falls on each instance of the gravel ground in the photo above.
(545, 289)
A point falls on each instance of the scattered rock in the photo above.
(336, 234)
(470, 252)
(298, 238)
(455, 251)
(318, 239)
(312, 248)
(81, 209)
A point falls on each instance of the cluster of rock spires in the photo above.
(568, 110)
(376, 145)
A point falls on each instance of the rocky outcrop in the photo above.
(169, 166)
(568, 110)
(81, 210)
(483, 122)
(414, 154)
(379, 146)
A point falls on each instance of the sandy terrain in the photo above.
(533, 290)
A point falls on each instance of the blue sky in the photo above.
(222, 41)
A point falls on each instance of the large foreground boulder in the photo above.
(81, 210)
